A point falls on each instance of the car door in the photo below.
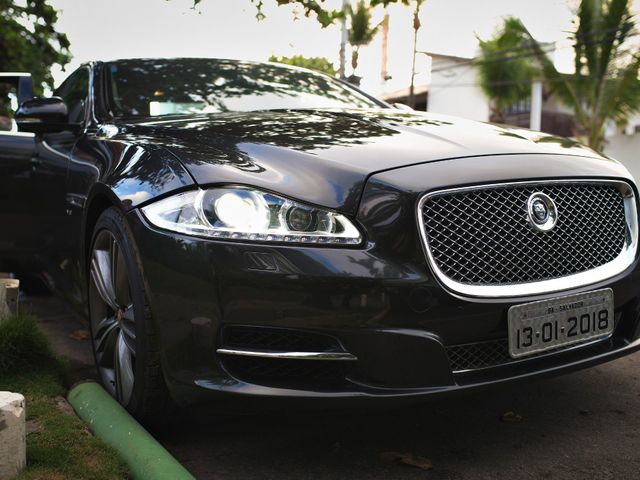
(17, 153)
(49, 179)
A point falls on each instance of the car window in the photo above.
(8, 105)
(192, 85)
(75, 91)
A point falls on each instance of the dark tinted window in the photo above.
(75, 91)
(164, 87)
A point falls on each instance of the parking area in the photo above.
(583, 425)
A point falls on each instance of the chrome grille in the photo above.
(482, 236)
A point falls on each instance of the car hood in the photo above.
(324, 157)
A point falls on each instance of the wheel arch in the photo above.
(98, 203)
(100, 200)
(137, 177)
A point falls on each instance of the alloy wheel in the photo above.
(112, 317)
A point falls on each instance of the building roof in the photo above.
(403, 94)
(444, 56)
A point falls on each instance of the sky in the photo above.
(101, 30)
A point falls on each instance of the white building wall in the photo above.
(626, 149)
(633, 125)
(455, 91)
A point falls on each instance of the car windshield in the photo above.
(187, 86)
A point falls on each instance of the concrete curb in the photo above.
(146, 458)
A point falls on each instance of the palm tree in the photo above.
(361, 31)
(605, 85)
(505, 82)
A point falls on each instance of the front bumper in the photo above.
(380, 303)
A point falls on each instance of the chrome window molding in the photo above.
(595, 275)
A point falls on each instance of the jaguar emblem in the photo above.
(542, 212)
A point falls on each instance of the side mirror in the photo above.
(41, 115)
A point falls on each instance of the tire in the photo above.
(125, 343)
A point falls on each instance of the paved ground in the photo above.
(584, 425)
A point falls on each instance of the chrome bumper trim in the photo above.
(340, 356)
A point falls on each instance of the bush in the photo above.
(23, 347)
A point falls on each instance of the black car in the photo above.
(252, 229)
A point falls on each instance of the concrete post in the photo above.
(9, 290)
(13, 439)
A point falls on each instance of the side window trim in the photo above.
(60, 91)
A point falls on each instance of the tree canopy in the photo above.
(505, 82)
(605, 85)
(325, 16)
(30, 42)
(320, 64)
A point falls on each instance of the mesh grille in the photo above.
(478, 355)
(282, 339)
(483, 237)
(278, 372)
(283, 372)
(474, 356)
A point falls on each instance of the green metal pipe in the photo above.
(146, 458)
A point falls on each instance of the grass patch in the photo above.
(61, 447)
(23, 346)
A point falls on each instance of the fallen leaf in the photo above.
(390, 456)
(80, 335)
(511, 417)
(32, 426)
(417, 461)
(64, 406)
(408, 459)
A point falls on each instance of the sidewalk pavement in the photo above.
(67, 332)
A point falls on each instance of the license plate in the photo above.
(549, 324)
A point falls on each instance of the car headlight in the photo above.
(246, 214)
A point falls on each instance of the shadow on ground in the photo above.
(580, 426)
(584, 425)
